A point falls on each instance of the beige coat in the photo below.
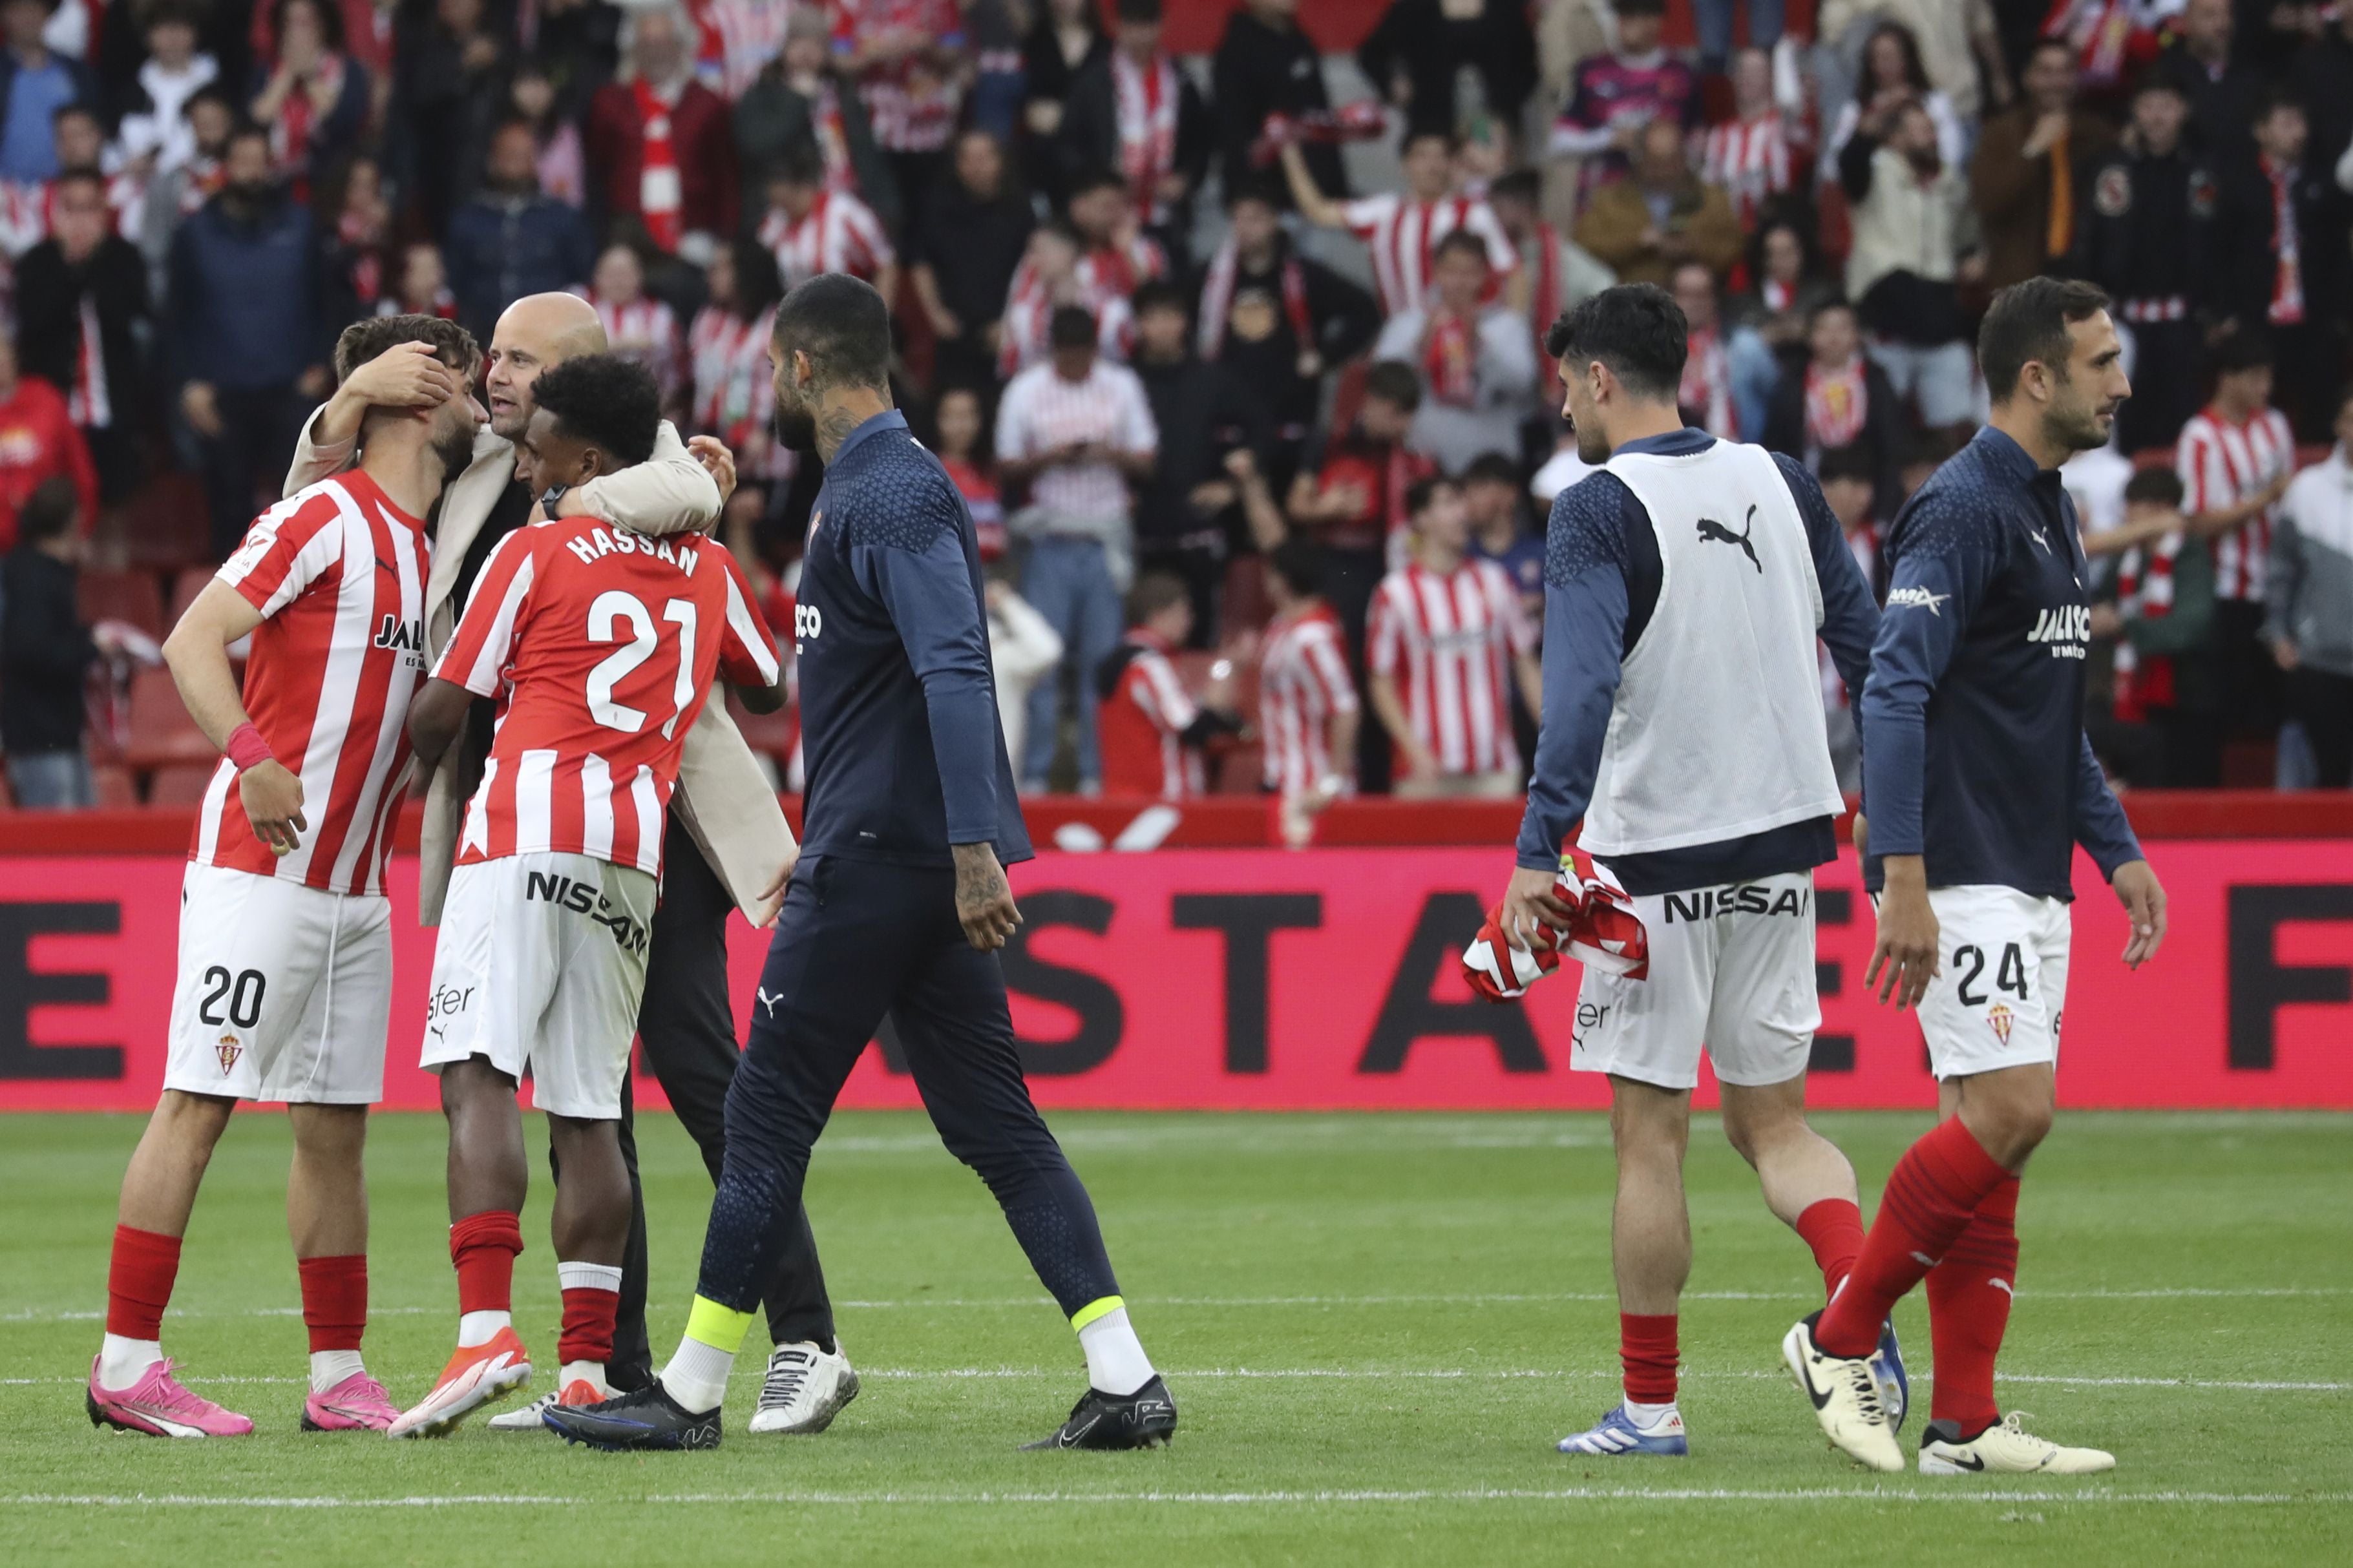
(722, 797)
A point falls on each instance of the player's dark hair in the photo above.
(372, 336)
(1070, 327)
(1158, 294)
(1394, 381)
(1635, 328)
(2029, 321)
(1154, 592)
(844, 328)
(2156, 486)
(49, 510)
(1300, 563)
(2247, 348)
(1852, 461)
(1463, 241)
(611, 403)
(1421, 494)
(1491, 469)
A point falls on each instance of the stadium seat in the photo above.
(185, 588)
(1242, 603)
(182, 784)
(161, 732)
(165, 524)
(115, 786)
(131, 596)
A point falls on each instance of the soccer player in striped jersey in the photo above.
(601, 647)
(285, 964)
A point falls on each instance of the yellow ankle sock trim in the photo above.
(721, 1328)
(1100, 1307)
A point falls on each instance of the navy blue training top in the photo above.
(899, 728)
(1975, 755)
(1601, 586)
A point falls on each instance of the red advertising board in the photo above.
(1253, 979)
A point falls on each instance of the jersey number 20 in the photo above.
(616, 614)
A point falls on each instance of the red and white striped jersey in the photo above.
(1141, 727)
(733, 396)
(1029, 305)
(1302, 680)
(338, 574)
(1448, 641)
(840, 234)
(645, 330)
(2222, 463)
(1750, 159)
(911, 103)
(1403, 235)
(733, 39)
(601, 647)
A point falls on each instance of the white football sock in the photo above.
(480, 1328)
(1116, 1360)
(329, 1368)
(121, 1363)
(574, 1371)
(1650, 1417)
(588, 1276)
(697, 1375)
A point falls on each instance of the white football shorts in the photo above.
(540, 966)
(284, 991)
(1731, 970)
(2003, 983)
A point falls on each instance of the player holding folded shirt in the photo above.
(285, 967)
(1684, 588)
(601, 647)
(899, 903)
(1980, 783)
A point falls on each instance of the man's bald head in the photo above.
(535, 331)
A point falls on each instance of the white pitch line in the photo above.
(1455, 1298)
(1998, 1496)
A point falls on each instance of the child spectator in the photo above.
(1308, 711)
(1153, 731)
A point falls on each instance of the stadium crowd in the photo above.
(1236, 359)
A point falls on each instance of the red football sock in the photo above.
(1647, 1347)
(1969, 1308)
(1931, 1196)
(334, 1300)
(484, 1247)
(589, 1315)
(139, 1282)
(1833, 1228)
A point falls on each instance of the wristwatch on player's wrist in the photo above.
(551, 498)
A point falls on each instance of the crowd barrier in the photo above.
(1170, 960)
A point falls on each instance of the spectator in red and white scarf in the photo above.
(2164, 621)
(1838, 398)
(812, 229)
(727, 354)
(1555, 272)
(1133, 111)
(657, 140)
(312, 97)
(81, 301)
(1055, 271)
(1759, 156)
(636, 325)
(798, 98)
(1478, 367)
(1120, 254)
(1723, 361)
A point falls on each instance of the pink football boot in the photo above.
(358, 1403)
(159, 1406)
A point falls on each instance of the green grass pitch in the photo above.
(1375, 1326)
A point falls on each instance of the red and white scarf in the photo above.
(290, 137)
(2102, 33)
(2287, 271)
(1147, 99)
(1838, 401)
(2145, 591)
(1707, 388)
(1450, 360)
(1218, 297)
(660, 195)
(366, 242)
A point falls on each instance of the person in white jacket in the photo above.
(1022, 646)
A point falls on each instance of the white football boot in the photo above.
(2007, 1449)
(1846, 1400)
(804, 1389)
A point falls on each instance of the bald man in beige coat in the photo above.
(727, 844)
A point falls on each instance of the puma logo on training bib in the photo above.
(1713, 532)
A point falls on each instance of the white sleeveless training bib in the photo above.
(1717, 730)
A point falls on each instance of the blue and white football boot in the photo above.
(1616, 1434)
(1887, 1370)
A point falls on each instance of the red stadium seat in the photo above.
(161, 732)
(165, 525)
(182, 784)
(185, 588)
(117, 790)
(1243, 606)
(129, 597)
